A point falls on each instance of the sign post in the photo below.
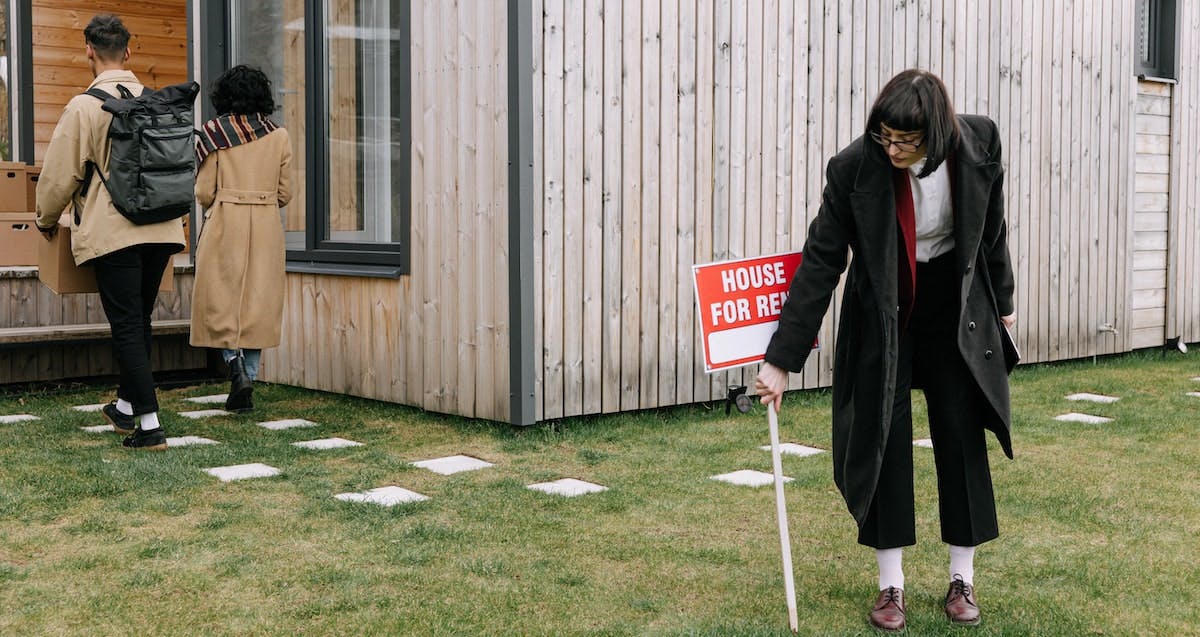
(739, 303)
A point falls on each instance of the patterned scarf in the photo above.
(227, 131)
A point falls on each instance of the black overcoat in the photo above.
(858, 217)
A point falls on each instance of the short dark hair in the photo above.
(107, 36)
(242, 90)
(917, 100)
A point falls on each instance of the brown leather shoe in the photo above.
(961, 608)
(888, 613)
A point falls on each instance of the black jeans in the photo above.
(128, 280)
(929, 356)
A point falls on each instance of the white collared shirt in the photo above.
(933, 210)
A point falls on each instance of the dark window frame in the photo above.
(1156, 36)
(320, 253)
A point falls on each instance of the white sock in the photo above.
(962, 562)
(124, 406)
(891, 573)
(149, 421)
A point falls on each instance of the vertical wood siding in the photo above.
(158, 52)
(697, 130)
(1183, 282)
(1151, 197)
(438, 338)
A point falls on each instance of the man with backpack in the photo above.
(129, 258)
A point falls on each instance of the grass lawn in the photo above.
(1099, 523)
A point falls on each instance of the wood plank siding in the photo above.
(1183, 247)
(689, 131)
(437, 339)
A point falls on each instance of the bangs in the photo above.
(903, 111)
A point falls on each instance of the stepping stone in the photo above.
(213, 399)
(98, 429)
(1094, 398)
(204, 413)
(89, 408)
(567, 487)
(383, 496)
(452, 464)
(276, 425)
(1085, 418)
(748, 478)
(1194, 394)
(7, 420)
(793, 449)
(1196, 378)
(187, 441)
(327, 443)
(923, 442)
(242, 471)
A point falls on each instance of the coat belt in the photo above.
(246, 196)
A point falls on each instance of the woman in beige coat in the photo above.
(243, 181)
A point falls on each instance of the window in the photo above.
(341, 72)
(1156, 31)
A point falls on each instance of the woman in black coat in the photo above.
(918, 200)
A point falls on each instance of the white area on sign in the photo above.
(923, 442)
(185, 441)
(740, 342)
(793, 449)
(276, 425)
(326, 443)
(98, 429)
(89, 408)
(204, 413)
(242, 471)
(17, 418)
(748, 478)
(1086, 418)
(215, 398)
(567, 487)
(1094, 398)
(452, 464)
(383, 496)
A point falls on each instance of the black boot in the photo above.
(240, 387)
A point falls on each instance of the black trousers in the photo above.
(929, 354)
(128, 280)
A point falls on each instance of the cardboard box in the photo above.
(31, 180)
(19, 239)
(13, 195)
(57, 269)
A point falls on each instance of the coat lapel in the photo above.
(874, 205)
(973, 175)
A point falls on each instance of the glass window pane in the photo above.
(269, 34)
(364, 93)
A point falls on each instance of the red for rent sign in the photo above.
(739, 304)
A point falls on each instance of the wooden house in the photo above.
(504, 200)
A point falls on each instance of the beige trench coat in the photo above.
(237, 301)
(82, 136)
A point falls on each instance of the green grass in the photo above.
(1099, 523)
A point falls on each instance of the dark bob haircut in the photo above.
(916, 100)
(242, 90)
(107, 36)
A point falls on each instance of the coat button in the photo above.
(988, 354)
(968, 267)
(971, 326)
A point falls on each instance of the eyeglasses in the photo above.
(903, 145)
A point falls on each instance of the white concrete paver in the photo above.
(204, 413)
(383, 496)
(187, 441)
(793, 449)
(567, 487)
(1094, 398)
(89, 408)
(923, 442)
(209, 400)
(242, 471)
(1084, 418)
(276, 425)
(326, 443)
(98, 429)
(14, 418)
(452, 464)
(1194, 394)
(748, 478)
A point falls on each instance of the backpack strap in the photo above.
(90, 168)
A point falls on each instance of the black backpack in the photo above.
(152, 168)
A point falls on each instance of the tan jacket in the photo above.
(81, 136)
(237, 299)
